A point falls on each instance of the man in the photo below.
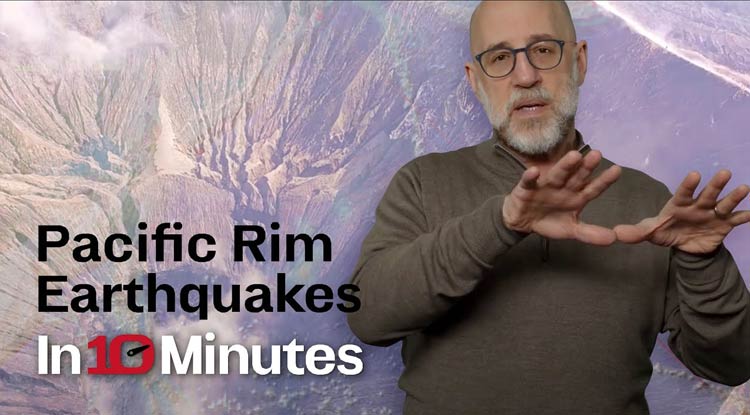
(510, 269)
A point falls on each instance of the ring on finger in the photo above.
(719, 214)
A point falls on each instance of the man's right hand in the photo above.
(550, 205)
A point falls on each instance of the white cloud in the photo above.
(53, 31)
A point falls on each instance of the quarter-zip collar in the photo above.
(582, 147)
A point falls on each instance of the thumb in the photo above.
(631, 234)
(594, 235)
(641, 231)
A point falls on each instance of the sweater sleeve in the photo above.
(708, 316)
(410, 275)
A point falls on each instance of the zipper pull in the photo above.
(545, 249)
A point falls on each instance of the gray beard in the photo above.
(536, 136)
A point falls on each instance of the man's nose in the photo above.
(524, 74)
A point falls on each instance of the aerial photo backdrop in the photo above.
(216, 114)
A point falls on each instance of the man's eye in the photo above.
(500, 58)
(543, 50)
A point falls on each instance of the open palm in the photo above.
(694, 225)
(551, 205)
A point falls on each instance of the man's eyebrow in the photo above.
(532, 38)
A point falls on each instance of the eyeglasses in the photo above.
(542, 54)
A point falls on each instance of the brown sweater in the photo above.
(496, 322)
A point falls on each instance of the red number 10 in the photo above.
(115, 366)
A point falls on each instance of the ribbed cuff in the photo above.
(488, 236)
(698, 269)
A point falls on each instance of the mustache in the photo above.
(518, 95)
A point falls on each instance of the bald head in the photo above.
(500, 21)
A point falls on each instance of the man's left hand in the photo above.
(696, 226)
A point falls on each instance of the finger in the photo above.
(595, 235)
(732, 200)
(590, 162)
(601, 182)
(707, 197)
(529, 178)
(563, 169)
(684, 194)
(739, 218)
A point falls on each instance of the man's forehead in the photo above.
(514, 24)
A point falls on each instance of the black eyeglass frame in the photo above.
(523, 49)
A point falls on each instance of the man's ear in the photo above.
(470, 76)
(582, 58)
